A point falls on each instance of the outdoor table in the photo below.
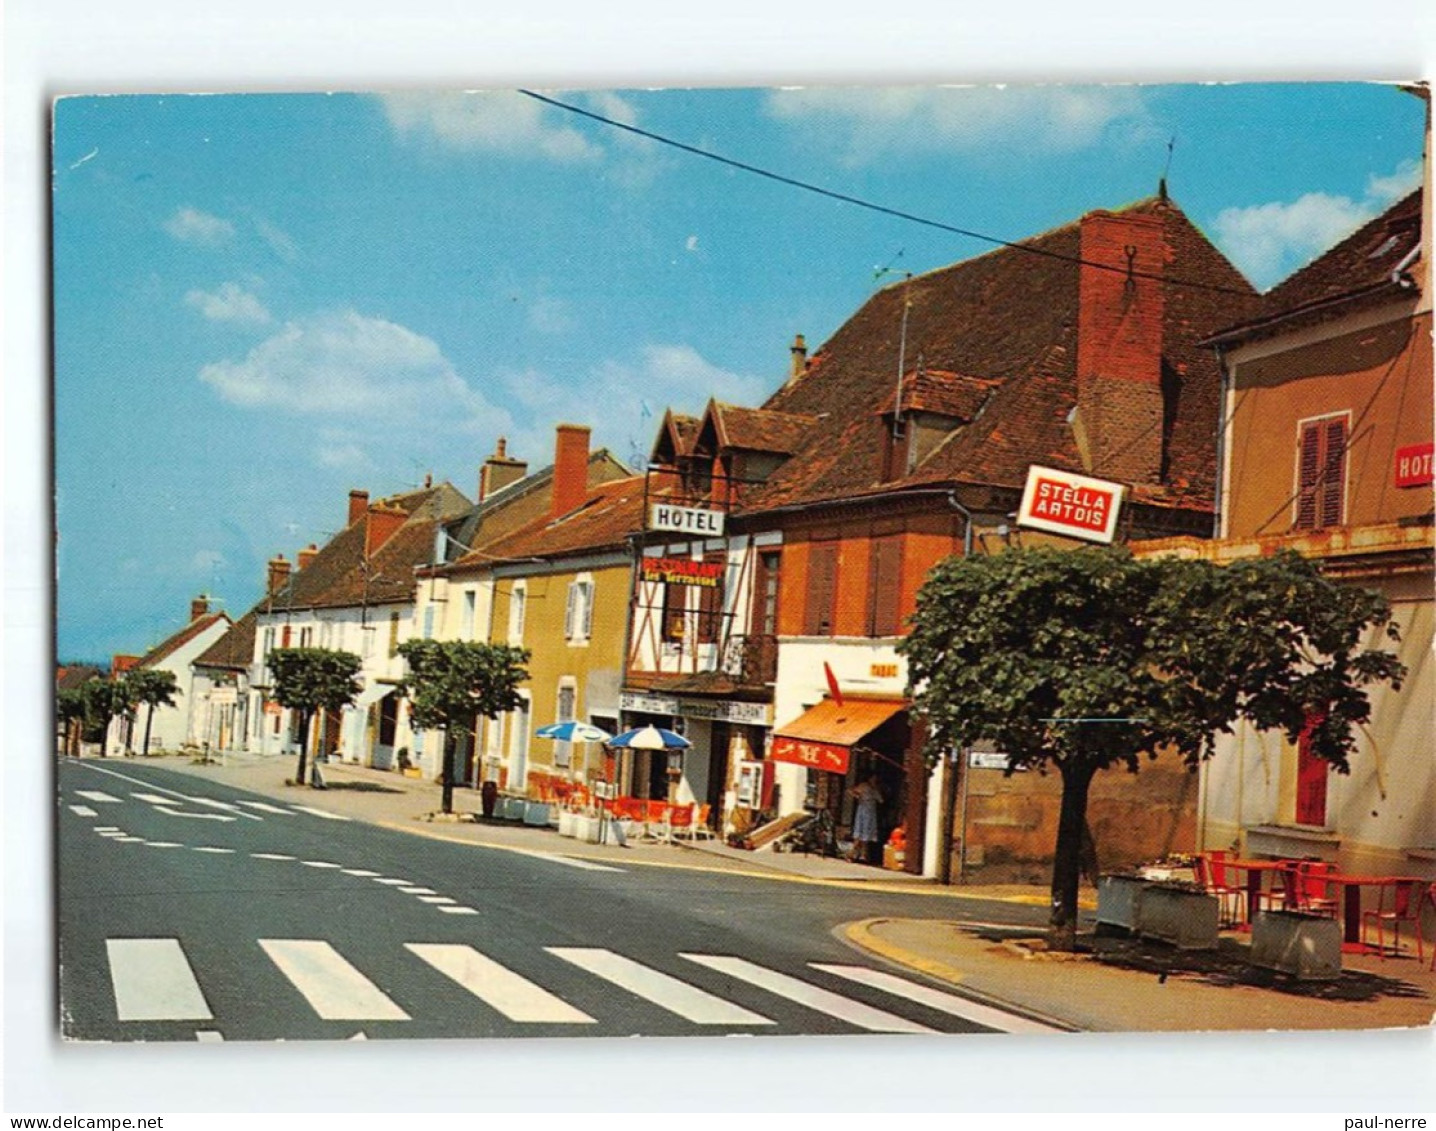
(1351, 886)
(1255, 870)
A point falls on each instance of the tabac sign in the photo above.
(1074, 505)
(685, 520)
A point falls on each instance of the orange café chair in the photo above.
(1211, 870)
(1404, 907)
(1311, 889)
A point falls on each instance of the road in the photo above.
(189, 910)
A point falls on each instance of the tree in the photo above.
(70, 716)
(154, 687)
(450, 683)
(307, 680)
(106, 700)
(1084, 659)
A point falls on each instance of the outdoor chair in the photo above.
(1312, 894)
(679, 822)
(1403, 905)
(1211, 868)
(702, 829)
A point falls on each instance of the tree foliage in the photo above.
(307, 680)
(450, 683)
(1083, 659)
(105, 700)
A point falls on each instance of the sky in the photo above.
(262, 301)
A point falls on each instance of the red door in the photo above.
(1311, 774)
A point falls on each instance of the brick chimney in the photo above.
(498, 471)
(1119, 418)
(306, 555)
(570, 468)
(358, 505)
(278, 573)
(198, 607)
(799, 350)
(381, 523)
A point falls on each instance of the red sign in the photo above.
(1413, 465)
(1075, 505)
(819, 755)
(683, 571)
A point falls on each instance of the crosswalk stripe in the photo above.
(266, 807)
(97, 795)
(435, 899)
(805, 993)
(211, 848)
(320, 813)
(937, 999)
(334, 988)
(389, 880)
(318, 864)
(153, 981)
(514, 996)
(270, 856)
(127, 839)
(152, 798)
(359, 872)
(666, 992)
(457, 910)
(208, 1036)
(168, 812)
(83, 811)
(573, 862)
(106, 828)
(113, 834)
(165, 844)
(418, 891)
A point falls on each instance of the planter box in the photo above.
(1308, 947)
(536, 813)
(567, 823)
(510, 808)
(586, 828)
(1186, 919)
(1119, 901)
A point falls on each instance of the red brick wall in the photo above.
(570, 468)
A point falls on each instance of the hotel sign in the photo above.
(683, 571)
(1413, 466)
(1063, 503)
(685, 520)
(804, 752)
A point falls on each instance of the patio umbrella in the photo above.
(650, 738)
(573, 731)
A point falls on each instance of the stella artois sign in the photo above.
(1063, 503)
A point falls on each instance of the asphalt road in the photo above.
(192, 911)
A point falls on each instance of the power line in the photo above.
(897, 213)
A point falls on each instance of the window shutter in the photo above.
(885, 586)
(1308, 472)
(1333, 474)
(1311, 778)
(710, 602)
(568, 619)
(588, 587)
(822, 589)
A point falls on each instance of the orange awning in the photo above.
(822, 735)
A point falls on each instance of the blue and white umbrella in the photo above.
(573, 731)
(650, 738)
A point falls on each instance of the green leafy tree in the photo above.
(154, 687)
(1080, 660)
(70, 716)
(308, 680)
(451, 683)
(105, 701)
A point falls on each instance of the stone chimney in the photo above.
(799, 350)
(306, 555)
(498, 471)
(382, 521)
(199, 607)
(358, 505)
(278, 573)
(1118, 423)
(570, 468)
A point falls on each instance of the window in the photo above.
(710, 603)
(1311, 776)
(393, 634)
(1321, 473)
(822, 601)
(567, 700)
(519, 743)
(284, 636)
(578, 615)
(429, 622)
(306, 637)
(518, 598)
(471, 598)
(675, 612)
(885, 586)
(764, 620)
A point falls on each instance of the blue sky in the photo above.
(262, 301)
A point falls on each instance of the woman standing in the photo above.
(866, 799)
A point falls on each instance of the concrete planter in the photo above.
(1308, 947)
(567, 823)
(511, 808)
(536, 813)
(586, 829)
(1186, 919)
(1119, 902)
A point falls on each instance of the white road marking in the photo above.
(335, 989)
(698, 1006)
(805, 993)
(128, 839)
(320, 813)
(106, 828)
(514, 996)
(266, 807)
(573, 862)
(318, 864)
(418, 891)
(153, 981)
(270, 856)
(168, 812)
(436, 899)
(359, 872)
(113, 834)
(457, 910)
(152, 798)
(211, 848)
(389, 880)
(97, 795)
(165, 844)
(208, 1036)
(937, 999)
(150, 785)
(83, 811)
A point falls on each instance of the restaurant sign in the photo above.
(804, 752)
(683, 571)
(685, 520)
(1074, 505)
(1413, 465)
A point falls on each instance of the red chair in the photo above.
(1404, 907)
(679, 822)
(1311, 892)
(1282, 896)
(1211, 869)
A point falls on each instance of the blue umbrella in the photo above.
(573, 731)
(650, 738)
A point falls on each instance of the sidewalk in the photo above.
(1124, 987)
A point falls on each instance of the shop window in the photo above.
(1321, 473)
(885, 586)
(1311, 778)
(821, 610)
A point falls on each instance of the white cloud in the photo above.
(207, 561)
(231, 303)
(691, 243)
(493, 121)
(1270, 241)
(867, 123)
(342, 450)
(278, 240)
(549, 315)
(344, 364)
(193, 226)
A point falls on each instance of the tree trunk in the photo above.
(303, 747)
(447, 774)
(149, 718)
(1067, 862)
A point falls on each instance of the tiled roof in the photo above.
(1005, 324)
(235, 649)
(173, 643)
(936, 391)
(759, 430)
(609, 515)
(71, 677)
(1359, 266)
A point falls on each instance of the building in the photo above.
(221, 694)
(908, 437)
